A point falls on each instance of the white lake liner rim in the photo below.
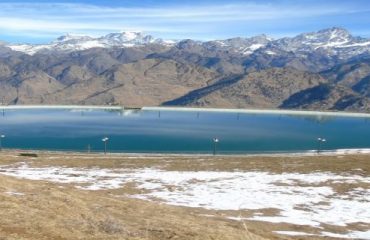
(191, 109)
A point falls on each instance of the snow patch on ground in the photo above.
(292, 233)
(252, 48)
(350, 235)
(300, 199)
(12, 193)
(270, 52)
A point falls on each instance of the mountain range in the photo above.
(324, 70)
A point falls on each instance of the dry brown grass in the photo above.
(60, 211)
(346, 164)
(46, 211)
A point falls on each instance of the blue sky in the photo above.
(41, 21)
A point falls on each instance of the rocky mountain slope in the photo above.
(266, 89)
(328, 69)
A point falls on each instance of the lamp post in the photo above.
(1, 145)
(320, 141)
(105, 140)
(215, 141)
(88, 148)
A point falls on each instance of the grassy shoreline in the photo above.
(309, 153)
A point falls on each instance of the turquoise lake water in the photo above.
(179, 131)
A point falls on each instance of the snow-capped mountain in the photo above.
(328, 69)
(245, 46)
(331, 42)
(70, 42)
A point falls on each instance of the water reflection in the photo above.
(315, 118)
(171, 131)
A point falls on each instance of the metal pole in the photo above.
(214, 148)
(320, 142)
(1, 144)
(215, 141)
(105, 140)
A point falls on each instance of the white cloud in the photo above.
(31, 19)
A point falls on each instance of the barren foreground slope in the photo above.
(80, 196)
